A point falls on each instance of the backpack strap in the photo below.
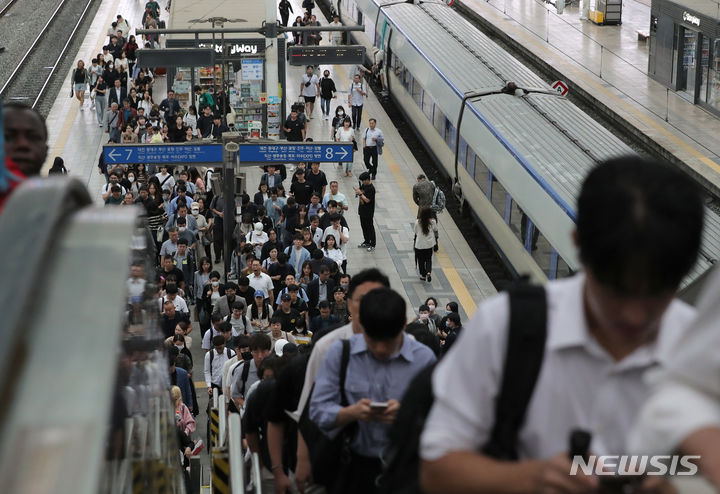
(344, 360)
(244, 376)
(525, 350)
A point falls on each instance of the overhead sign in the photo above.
(163, 154)
(296, 152)
(326, 55)
(449, 2)
(560, 87)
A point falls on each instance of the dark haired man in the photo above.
(639, 226)
(25, 141)
(381, 364)
(366, 210)
(241, 380)
(361, 283)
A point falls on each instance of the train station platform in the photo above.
(457, 275)
(77, 138)
(607, 65)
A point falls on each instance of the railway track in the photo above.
(29, 81)
(5, 6)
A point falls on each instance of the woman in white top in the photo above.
(346, 134)
(257, 237)
(146, 103)
(122, 64)
(331, 250)
(190, 120)
(426, 233)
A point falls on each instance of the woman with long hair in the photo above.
(332, 251)
(346, 134)
(306, 275)
(80, 79)
(260, 313)
(426, 233)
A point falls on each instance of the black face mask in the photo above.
(230, 298)
(246, 355)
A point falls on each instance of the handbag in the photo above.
(355, 146)
(203, 316)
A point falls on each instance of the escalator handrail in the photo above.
(30, 224)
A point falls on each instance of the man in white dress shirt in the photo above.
(639, 226)
(683, 413)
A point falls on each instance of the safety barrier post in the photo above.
(195, 470)
(214, 428)
(257, 473)
(222, 426)
(220, 471)
(237, 477)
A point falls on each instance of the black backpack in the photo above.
(525, 350)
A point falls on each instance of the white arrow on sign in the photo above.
(344, 153)
(113, 154)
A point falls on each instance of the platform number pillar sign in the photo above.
(272, 86)
(449, 2)
(220, 471)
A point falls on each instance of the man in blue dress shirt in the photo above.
(383, 361)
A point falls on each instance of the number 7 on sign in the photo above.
(129, 153)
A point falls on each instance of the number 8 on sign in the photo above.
(328, 153)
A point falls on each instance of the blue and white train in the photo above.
(519, 158)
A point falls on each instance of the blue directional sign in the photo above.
(294, 152)
(163, 154)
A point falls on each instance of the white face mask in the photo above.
(215, 283)
(180, 346)
(182, 228)
(424, 316)
(431, 307)
(131, 179)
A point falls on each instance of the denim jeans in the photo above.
(325, 106)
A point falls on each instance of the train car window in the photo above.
(407, 79)
(516, 220)
(541, 251)
(470, 162)
(462, 153)
(439, 121)
(563, 270)
(417, 92)
(481, 175)
(449, 134)
(427, 105)
(499, 198)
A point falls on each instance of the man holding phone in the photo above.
(381, 364)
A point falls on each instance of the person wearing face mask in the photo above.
(202, 246)
(337, 121)
(449, 309)
(424, 317)
(327, 92)
(241, 345)
(432, 304)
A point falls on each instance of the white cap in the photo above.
(258, 227)
(279, 344)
